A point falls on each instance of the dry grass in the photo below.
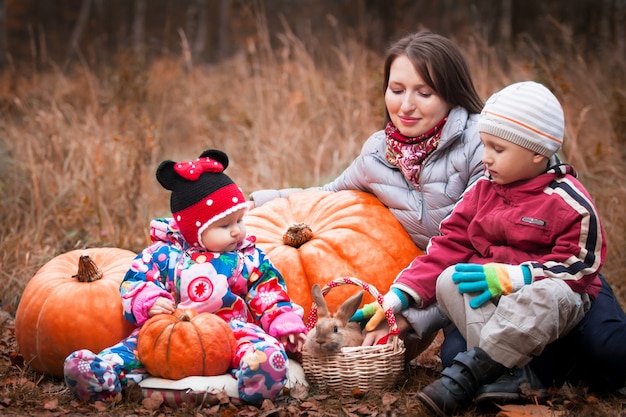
(78, 149)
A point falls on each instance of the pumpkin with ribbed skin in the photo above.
(317, 236)
(185, 343)
(73, 302)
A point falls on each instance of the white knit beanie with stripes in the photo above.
(527, 114)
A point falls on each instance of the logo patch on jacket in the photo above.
(530, 220)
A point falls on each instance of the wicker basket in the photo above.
(366, 368)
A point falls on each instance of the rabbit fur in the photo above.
(331, 333)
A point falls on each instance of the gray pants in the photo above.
(516, 327)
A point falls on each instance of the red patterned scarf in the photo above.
(409, 154)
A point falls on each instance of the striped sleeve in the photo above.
(584, 233)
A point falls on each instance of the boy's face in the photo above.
(508, 162)
(225, 234)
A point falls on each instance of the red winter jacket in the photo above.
(548, 223)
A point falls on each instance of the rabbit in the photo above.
(331, 333)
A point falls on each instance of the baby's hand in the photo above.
(162, 305)
(293, 342)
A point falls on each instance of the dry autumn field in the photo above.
(79, 148)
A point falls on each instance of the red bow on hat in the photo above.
(193, 169)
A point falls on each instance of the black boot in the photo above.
(514, 385)
(459, 383)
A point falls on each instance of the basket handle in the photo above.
(346, 280)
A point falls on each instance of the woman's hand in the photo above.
(371, 338)
(382, 330)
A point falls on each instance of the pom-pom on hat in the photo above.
(201, 192)
(527, 114)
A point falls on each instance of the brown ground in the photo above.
(25, 392)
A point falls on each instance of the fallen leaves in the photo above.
(24, 392)
(298, 391)
(528, 410)
(51, 404)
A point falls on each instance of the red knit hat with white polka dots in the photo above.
(201, 192)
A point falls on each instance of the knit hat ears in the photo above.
(527, 114)
(201, 192)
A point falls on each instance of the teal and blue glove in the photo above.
(490, 280)
(373, 313)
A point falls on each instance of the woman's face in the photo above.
(414, 107)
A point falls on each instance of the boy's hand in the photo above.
(371, 313)
(395, 299)
(491, 280)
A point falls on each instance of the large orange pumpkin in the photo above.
(185, 343)
(73, 302)
(317, 236)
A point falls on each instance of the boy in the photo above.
(525, 244)
(533, 244)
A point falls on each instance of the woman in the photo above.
(429, 151)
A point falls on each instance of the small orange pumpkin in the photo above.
(73, 302)
(185, 343)
(317, 236)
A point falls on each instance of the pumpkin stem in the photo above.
(184, 317)
(88, 271)
(297, 235)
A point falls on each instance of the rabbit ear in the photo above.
(349, 307)
(322, 308)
